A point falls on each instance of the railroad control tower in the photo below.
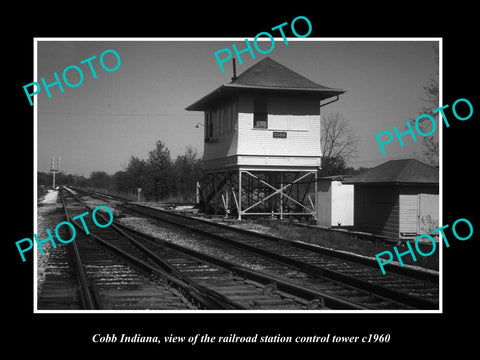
(262, 143)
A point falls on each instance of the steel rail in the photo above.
(417, 274)
(211, 299)
(86, 292)
(281, 284)
(267, 279)
(404, 271)
(389, 293)
(320, 271)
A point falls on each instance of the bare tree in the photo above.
(339, 144)
(430, 145)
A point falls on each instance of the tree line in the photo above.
(160, 177)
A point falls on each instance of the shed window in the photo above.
(260, 115)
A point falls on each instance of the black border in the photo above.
(410, 333)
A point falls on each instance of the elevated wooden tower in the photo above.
(262, 142)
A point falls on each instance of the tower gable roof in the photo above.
(267, 75)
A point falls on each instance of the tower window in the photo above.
(260, 114)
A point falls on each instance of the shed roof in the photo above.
(405, 171)
(267, 75)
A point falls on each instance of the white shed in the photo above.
(335, 202)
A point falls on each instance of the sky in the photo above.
(100, 124)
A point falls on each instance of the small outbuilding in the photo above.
(335, 202)
(397, 199)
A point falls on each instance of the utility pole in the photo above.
(54, 169)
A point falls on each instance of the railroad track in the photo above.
(118, 278)
(328, 271)
(59, 289)
(222, 284)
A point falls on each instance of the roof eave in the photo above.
(197, 105)
(322, 94)
(288, 88)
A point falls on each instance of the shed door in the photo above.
(408, 215)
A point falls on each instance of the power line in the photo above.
(115, 114)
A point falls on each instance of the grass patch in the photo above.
(346, 242)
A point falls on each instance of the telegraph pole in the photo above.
(54, 169)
